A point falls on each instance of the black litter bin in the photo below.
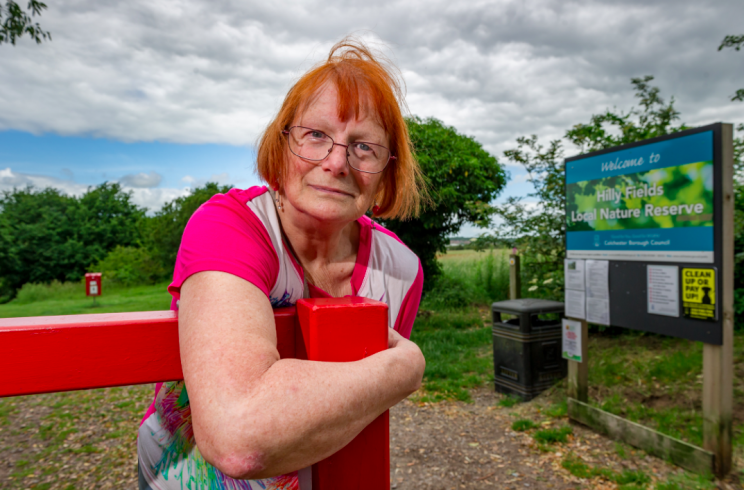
(527, 349)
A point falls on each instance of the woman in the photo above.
(337, 149)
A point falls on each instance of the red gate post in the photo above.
(79, 352)
(336, 331)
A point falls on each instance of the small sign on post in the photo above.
(93, 285)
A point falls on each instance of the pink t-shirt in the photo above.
(239, 233)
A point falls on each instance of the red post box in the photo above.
(93, 284)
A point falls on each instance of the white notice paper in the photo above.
(598, 311)
(663, 289)
(597, 279)
(575, 304)
(574, 274)
(572, 340)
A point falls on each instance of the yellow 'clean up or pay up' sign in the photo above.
(699, 293)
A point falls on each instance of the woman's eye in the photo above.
(317, 134)
(363, 146)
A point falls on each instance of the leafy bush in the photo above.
(462, 178)
(522, 425)
(509, 401)
(739, 309)
(131, 266)
(46, 235)
(33, 292)
(449, 293)
(551, 436)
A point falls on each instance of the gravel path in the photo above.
(87, 440)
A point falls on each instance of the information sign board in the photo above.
(653, 210)
(647, 203)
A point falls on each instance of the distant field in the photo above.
(462, 255)
(67, 299)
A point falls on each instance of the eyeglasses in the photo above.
(315, 146)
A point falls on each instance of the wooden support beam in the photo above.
(578, 372)
(718, 360)
(678, 452)
(515, 278)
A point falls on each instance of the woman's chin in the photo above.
(332, 213)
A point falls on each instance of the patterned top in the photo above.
(239, 233)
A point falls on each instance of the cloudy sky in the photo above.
(164, 95)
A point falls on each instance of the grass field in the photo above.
(70, 299)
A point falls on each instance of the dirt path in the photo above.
(456, 445)
(86, 440)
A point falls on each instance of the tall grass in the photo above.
(470, 278)
(452, 329)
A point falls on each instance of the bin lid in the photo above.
(527, 305)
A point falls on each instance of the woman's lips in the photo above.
(331, 190)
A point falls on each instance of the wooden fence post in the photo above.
(515, 280)
(718, 360)
(578, 372)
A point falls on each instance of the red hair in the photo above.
(364, 85)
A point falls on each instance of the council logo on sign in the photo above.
(699, 293)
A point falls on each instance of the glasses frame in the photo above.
(285, 132)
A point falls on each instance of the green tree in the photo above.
(541, 229)
(47, 235)
(162, 233)
(15, 22)
(462, 179)
(735, 42)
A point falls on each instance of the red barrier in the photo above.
(75, 352)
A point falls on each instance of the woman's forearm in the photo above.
(303, 411)
(255, 415)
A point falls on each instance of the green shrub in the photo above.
(449, 293)
(557, 410)
(509, 401)
(522, 425)
(31, 293)
(130, 266)
(551, 436)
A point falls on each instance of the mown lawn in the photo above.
(70, 299)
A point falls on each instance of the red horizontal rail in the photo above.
(75, 352)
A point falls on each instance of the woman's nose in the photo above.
(337, 160)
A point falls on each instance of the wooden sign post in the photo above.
(669, 265)
(718, 360)
(515, 279)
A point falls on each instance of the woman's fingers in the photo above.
(393, 338)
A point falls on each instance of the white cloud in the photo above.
(192, 182)
(10, 180)
(142, 179)
(152, 199)
(193, 71)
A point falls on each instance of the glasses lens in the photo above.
(368, 157)
(309, 143)
(315, 145)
